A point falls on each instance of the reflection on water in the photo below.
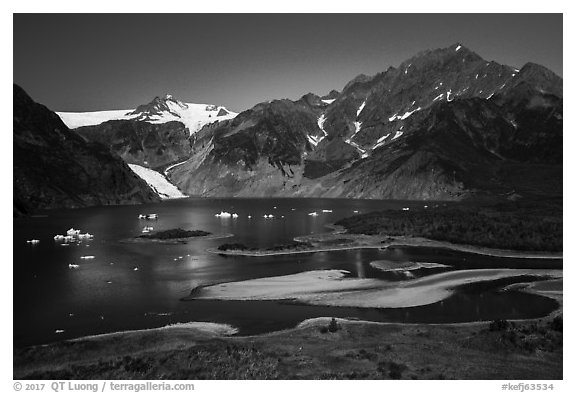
(107, 294)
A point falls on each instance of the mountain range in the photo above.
(444, 125)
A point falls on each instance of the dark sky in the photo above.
(101, 61)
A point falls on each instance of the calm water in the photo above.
(106, 294)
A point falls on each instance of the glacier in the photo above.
(157, 182)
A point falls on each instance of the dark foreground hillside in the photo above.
(497, 350)
(56, 168)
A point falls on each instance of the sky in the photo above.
(89, 62)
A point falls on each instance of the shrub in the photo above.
(556, 324)
(333, 326)
(498, 325)
(233, 246)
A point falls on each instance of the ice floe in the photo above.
(152, 216)
(73, 235)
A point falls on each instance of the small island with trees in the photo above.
(174, 236)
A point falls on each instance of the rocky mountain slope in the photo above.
(445, 124)
(142, 143)
(55, 167)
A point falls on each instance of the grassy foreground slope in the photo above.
(355, 350)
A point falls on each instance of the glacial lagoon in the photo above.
(128, 286)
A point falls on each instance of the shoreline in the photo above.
(360, 241)
(201, 328)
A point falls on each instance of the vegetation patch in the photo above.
(525, 226)
(177, 233)
(295, 246)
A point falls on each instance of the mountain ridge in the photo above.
(370, 129)
(158, 111)
(444, 124)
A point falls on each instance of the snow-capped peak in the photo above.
(159, 110)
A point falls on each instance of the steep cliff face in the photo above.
(446, 124)
(533, 103)
(55, 168)
(142, 143)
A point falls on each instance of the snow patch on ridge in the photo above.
(360, 108)
(404, 116)
(314, 140)
(321, 121)
(380, 141)
(349, 141)
(157, 182)
(173, 166)
(382, 138)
